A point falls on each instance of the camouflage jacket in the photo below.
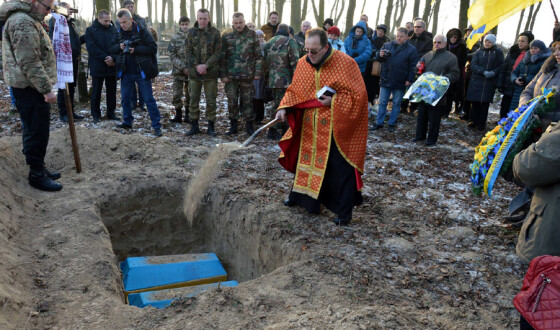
(177, 53)
(204, 46)
(27, 51)
(280, 58)
(241, 55)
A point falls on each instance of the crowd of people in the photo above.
(309, 76)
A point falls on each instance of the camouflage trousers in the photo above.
(210, 93)
(180, 87)
(235, 89)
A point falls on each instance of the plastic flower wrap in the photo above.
(429, 88)
(494, 155)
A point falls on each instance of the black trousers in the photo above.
(35, 118)
(71, 90)
(339, 192)
(467, 104)
(504, 106)
(110, 93)
(479, 114)
(428, 116)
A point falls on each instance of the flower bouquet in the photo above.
(495, 153)
(429, 88)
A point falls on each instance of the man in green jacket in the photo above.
(538, 167)
(178, 57)
(204, 48)
(241, 63)
(30, 69)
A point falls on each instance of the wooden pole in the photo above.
(553, 11)
(72, 128)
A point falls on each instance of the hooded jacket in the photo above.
(459, 49)
(28, 55)
(528, 68)
(358, 47)
(204, 46)
(482, 89)
(98, 44)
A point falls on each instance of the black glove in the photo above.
(355, 55)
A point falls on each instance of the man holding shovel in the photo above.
(30, 69)
(326, 144)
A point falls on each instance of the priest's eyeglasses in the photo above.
(312, 51)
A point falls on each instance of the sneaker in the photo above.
(392, 128)
(158, 132)
(125, 126)
(376, 127)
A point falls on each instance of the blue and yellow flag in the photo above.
(484, 15)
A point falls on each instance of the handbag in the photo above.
(539, 299)
(376, 68)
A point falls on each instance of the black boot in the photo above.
(233, 127)
(52, 175)
(40, 180)
(194, 128)
(178, 116)
(211, 130)
(187, 119)
(249, 127)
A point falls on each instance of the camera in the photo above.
(523, 80)
(127, 44)
(387, 53)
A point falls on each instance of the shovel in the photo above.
(246, 143)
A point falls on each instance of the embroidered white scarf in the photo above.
(63, 51)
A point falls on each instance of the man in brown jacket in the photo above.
(269, 29)
(538, 166)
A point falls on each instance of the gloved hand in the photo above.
(354, 55)
(489, 74)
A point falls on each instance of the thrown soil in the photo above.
(422, 252)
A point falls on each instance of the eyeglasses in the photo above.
(312, 51)
(49, 8)
(438, 42)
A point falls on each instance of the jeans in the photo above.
(35, 116)
(384, 100)
(145, 87)
(110, 92)
(136, 97)
(12, 97)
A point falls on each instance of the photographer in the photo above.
(528, 69)
(135, 51)
(399, 60)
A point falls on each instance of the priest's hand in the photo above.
(281, 114)
(325, 100)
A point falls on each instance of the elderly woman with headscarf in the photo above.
(485, 66)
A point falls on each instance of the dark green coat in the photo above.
(204, 46)
(241, 55)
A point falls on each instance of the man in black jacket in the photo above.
(76, 43)
(135, 51)
(101, 64)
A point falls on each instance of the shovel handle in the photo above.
(246, 143)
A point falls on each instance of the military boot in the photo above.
(178, 116)
(249, 127)
(211, 130)
(194, 128)
(187, 119)
(40, 180)
(233, 127)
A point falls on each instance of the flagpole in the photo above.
(553, 11)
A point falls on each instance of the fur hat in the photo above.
(539, 44)
(334, 30)
(528, 34)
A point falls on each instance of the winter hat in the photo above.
(539, 44)
(328, 21)
(528, 34)
(491, 38)
(292, 30)
(334, 30)
(382, 27)
(469, 28)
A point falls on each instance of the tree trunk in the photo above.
(416, 9)
(192, 12)
(254, 12)
(163, 4)
(426, 13)
(304, 11)
(259, 15)
(338, 14)
(182, 7)
(519, 23)
(364, 8)
(398, 20)
(280, 8)
(388, 12)
(463, 19)
(170, 16)
(349, 16)
(534, 18)
(295, 14)
(436, 16)
(102, 4)
(528, 23)
(235, 6)
(150, 10)
(378, 11)
(213, 17)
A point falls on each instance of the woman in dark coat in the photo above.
(458, 47)
(485, 68)
(528, 69)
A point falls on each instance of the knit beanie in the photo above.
(333, 30)
(382, 27)
(539, 44)
(528, 34)
(491, 38)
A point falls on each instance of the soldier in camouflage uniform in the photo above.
(30, 69)
(280, 58)
(241, 64)
(178, 56)
(204, 49)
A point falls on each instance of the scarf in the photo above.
(63, 52)
(356, 41)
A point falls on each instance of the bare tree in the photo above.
(435, 12)
(398, 19)
(463, 19)
(254, 12)
(211, 13)
(388, 12)
(235, 6)
(337, 10)
(378, 11)
(350, 16)
(363, 7)
(295, 14)
(259, 13)
(192, 11)
(534, 18)
(304, 11)
(102, 4)
(416, 8)
(528, 23)
(426, 13)
(163, 4)
(170, 16)
(520, 21)
(280, 8)
(182, 7)
(320, 12)
(150, 9)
